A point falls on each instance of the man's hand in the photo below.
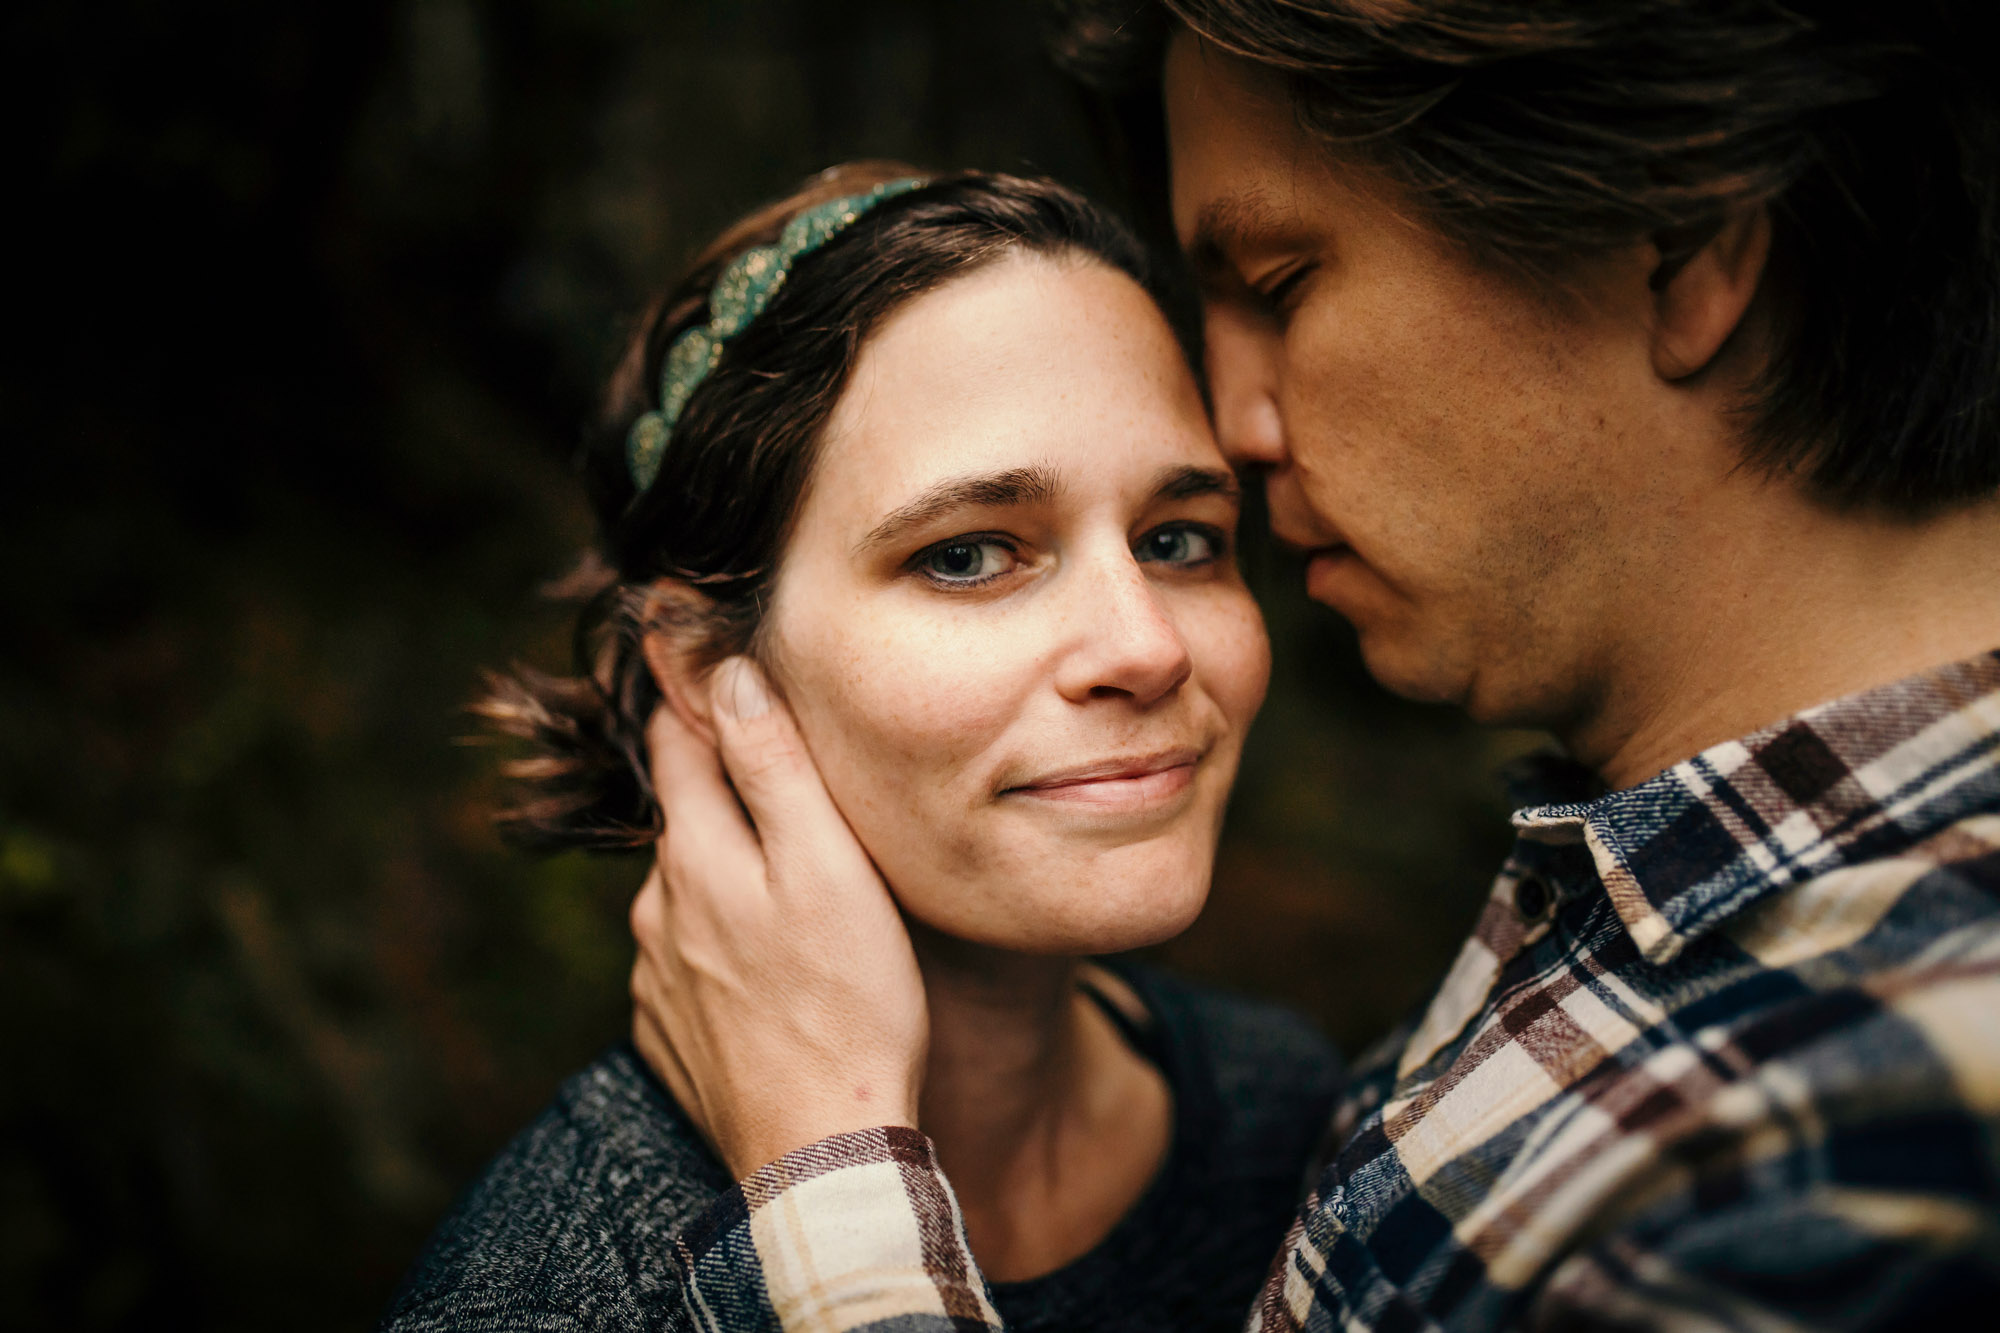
(775, 991)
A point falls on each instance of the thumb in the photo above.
(773, 773)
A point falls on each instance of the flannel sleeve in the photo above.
(856, 1232)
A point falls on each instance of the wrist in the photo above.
(757, 1143)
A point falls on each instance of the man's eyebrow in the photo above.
(1224, 226)
(1184, 483)
(989, 490)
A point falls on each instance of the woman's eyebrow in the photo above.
(1184, 483)
(987, 490)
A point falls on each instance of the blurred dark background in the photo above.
(309, 302)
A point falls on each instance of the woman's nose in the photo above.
(1242, 352)
(1126, 644)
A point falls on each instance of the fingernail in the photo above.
(744, 690)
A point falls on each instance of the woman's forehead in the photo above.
(1027, 363)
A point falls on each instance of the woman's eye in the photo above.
(967, 560)
(1179, 545)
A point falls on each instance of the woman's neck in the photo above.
(1047, 1123)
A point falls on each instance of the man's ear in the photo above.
(674, 619)
(1702, 290)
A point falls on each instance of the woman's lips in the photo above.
(1135, 784)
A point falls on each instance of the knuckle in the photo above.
(755, 768)
(647, 914)
(761, 750)
(683, 865)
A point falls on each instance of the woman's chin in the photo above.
(1044, 892)
(1128, 935)
(1086, 921)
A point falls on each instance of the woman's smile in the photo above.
(1142, 785)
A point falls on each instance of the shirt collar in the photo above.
(1856, 779)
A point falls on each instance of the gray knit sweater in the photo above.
(570, 1227)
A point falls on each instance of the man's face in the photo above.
(1476, 468)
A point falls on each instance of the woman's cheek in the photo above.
(908, 749)
(899, 714)
(1233, 654)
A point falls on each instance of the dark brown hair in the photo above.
(715, 520)
(1531, 131)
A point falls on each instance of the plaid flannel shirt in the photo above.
(1723, 1051)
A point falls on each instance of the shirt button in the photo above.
(1531, 899)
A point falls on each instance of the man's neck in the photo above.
(1793, 605)
(1034, 1104)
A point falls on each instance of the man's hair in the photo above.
(1532, 130)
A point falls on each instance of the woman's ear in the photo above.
(1701, 291)
(674, 616)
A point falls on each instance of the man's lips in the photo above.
(1330, 552)
(1323, 571)
(1126, 781)
(1300, 530)
(1306, 545)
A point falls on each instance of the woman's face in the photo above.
(1009, 619)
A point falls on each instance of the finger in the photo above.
(689, 901)
(695, 800)
(773, 772)
(648, 915)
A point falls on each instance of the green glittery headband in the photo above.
(737, 298)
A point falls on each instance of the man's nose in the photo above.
(1243, 353)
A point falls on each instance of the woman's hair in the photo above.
(695, 552)
(1533, 131)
